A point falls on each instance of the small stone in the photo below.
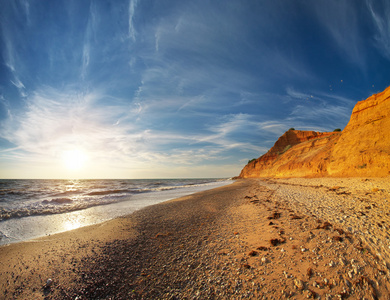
(309, 272)
(347, 282)
(253, 253)
(356, 269)
(48, 284)
(350, 274)
(299, 284)
(332, 263)
(310, 294)
(265, 260)
(343, 261)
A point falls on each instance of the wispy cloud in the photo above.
(230, 130)
(382, 24)
(340, 19)
(320, 97)
(132, 7)
(89, 35)
(86, 58)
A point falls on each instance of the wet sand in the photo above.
(254, 239)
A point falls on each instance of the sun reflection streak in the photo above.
(71, 224)
(74, 221)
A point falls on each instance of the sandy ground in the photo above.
(254, 239)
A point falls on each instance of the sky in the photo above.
(173, 89)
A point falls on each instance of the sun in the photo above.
(74, 159)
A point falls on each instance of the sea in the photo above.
(35, 208)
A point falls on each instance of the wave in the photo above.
(52, 207)
(46, 197)
(67, 193)
(58, 201)
(108, 192)
(11, 192)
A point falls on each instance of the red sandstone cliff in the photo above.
(362, 149)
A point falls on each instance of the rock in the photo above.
(276, 242)
(310, 294)
(361, 149)
(343, 261)
(253, 253)
(268, 164)
(265, 260)
(299, 284)
(49, 282)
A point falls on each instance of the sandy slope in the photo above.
(254, 239)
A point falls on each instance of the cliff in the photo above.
(361, 149)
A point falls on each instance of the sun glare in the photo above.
(74, 159)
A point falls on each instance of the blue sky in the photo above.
(151, 89)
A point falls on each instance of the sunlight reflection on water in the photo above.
(21, 229)
(74, 221)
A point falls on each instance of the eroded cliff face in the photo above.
(295, 154)
(364, 146)
(362, 149)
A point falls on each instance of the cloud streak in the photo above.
(132, 7)
(341, 22)
(382, 25)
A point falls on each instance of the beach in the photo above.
(320, 238)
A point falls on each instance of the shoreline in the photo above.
(243, 239)
(35, 225)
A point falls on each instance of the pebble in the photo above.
(299, 284)
(343, 261)
(49, 282)
(265, 260)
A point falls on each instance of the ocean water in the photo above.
(36, 208)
